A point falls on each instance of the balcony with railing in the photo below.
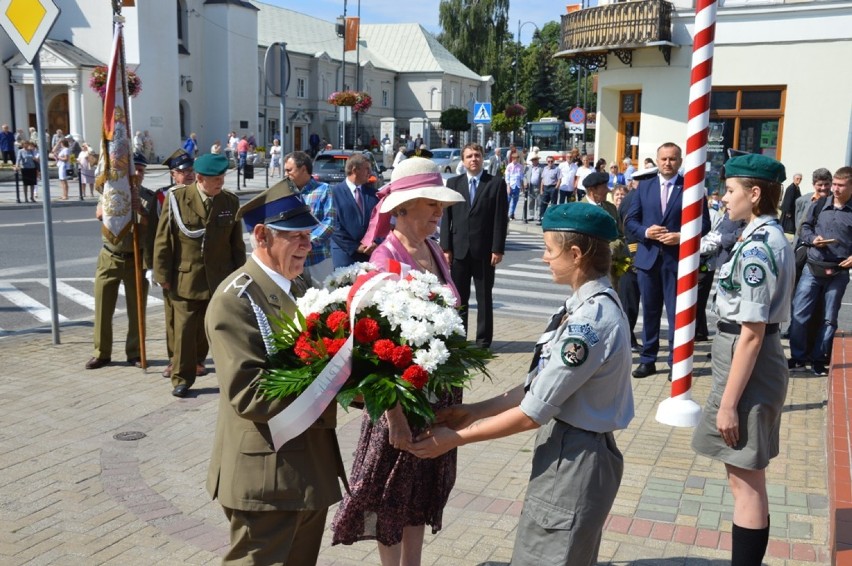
(589, 35)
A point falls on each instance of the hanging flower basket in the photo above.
(99, 78)
(515, 111)
(359, 101)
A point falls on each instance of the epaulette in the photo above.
(239, 283)
(761, 236)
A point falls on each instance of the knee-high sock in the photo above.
(748, 546)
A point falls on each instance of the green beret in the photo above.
(211, 164)
(755, 166)
(581, 217)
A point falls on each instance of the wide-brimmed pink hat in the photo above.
(412, 179)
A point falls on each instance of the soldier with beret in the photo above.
(116, 267)
(741, 419)
(198, 243)
(577, 393)
(276, 502)
(597, 190)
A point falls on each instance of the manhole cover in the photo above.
(129, 435)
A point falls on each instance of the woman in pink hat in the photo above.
(393, 494)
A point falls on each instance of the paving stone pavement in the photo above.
(70, 493)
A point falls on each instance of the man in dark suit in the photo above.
(473, 237)
(354, 200)
(275, 501)
(654, 221)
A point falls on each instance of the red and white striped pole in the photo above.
(680, 409)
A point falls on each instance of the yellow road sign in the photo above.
(28, 22)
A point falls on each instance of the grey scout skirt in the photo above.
(759, 408)
(575, 478)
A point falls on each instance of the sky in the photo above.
(424, 12)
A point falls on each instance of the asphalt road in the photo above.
(523, 285)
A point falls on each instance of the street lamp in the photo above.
(517, 62)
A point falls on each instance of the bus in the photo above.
(550, 136)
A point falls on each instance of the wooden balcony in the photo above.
(589, 35)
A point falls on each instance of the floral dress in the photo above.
(392, 489)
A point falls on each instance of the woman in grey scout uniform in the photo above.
(742, 416)
(577, 391)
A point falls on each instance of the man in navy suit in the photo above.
(653, 220)
(354, 200)
(473, 237)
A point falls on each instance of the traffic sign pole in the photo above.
(41, 126)
(27, 25)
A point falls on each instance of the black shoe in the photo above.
(644, 370)
(97, 363)
(181, 390)
(701, 338)
(135, 362)
(820, 369)
(796, 366)
(635, 347)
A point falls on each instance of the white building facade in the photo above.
(201, 67)
(780, 85)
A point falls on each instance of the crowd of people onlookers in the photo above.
(72, 158)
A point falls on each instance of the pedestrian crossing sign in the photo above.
(482, 113)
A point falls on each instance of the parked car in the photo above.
(447, 158)
(330, 166)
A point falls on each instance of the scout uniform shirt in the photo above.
(583, 376)
(756, 285)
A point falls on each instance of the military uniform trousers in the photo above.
(169, 312)
(113, 270)
(190, 340)
(289, 538)
(574, 480)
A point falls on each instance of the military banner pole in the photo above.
(680, 409)
(116, 171)
(134, 191)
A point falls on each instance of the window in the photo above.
(749, 119)
(629, 113)
(182, 33)
(300, 88)
(385, 99)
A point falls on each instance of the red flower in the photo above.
(416, 376)
(384, 349)
(333, 345)
(304, 348)
(336, 320)
(366, 330)
(311, 320)
(402, 356)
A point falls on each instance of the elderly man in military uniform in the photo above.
(181, 167)
(276, 502)
(116, 266)
(199, 242)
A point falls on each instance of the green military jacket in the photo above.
(245, 471)
(194, 266)
(146, 223)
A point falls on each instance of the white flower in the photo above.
(415, 332)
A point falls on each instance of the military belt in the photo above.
(122, 255)
(735, 328)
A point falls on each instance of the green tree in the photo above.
(455, 119)
(476, 32)
(500, 123)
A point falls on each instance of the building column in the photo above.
(75, 109)
(22, 115)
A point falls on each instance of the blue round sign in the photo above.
(577, 115)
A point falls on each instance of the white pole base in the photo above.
(679, 412)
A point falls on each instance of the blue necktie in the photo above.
(472, 189)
